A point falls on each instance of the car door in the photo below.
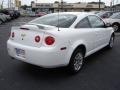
(86, 33)
(101, 32)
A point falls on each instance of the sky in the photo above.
(107, 2)
(27, 2)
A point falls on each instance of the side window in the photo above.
(96, 22)
(84, 23)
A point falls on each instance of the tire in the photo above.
(116, 27)
(111, 42)
(76, 61)
(1, 22)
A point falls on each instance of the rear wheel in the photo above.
(76, 61)
(116, 27)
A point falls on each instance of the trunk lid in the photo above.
(26, 34)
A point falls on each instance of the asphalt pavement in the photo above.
(100, 72)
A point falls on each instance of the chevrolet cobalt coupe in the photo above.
(60, 39)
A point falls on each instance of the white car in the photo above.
(114, 20)
(63, 39)
(7, 17)
(3, 17)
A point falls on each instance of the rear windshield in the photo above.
(61, 20)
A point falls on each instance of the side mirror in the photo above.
(108, 25)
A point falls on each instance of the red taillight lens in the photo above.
(13, 34)
(37, 39)
(49, 40)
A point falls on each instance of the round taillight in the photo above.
(49, 40)
(37, 39)
(13, 34)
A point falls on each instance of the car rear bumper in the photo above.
(44, 56)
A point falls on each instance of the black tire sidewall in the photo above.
(118, 27)
(71, 64)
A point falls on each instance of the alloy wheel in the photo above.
(78, 61)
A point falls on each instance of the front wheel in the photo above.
(76, 61)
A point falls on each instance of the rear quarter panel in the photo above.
(71, 38)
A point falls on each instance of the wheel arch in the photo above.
(82, 47)
(113, 34)
(73, 48)
(115, 23)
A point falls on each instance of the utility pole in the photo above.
(99, 5)
(8, 3)
(12, 4)
(62, 5)
(113, 5)
(2, 4)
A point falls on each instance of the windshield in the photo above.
(61, 20)
(115, 16)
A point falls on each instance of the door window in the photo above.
(84, 23)
(96, 22)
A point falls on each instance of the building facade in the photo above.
(67, 7)
(17, 4)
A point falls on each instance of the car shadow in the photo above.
(29, 71)
(94, 57)
(32, 71)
